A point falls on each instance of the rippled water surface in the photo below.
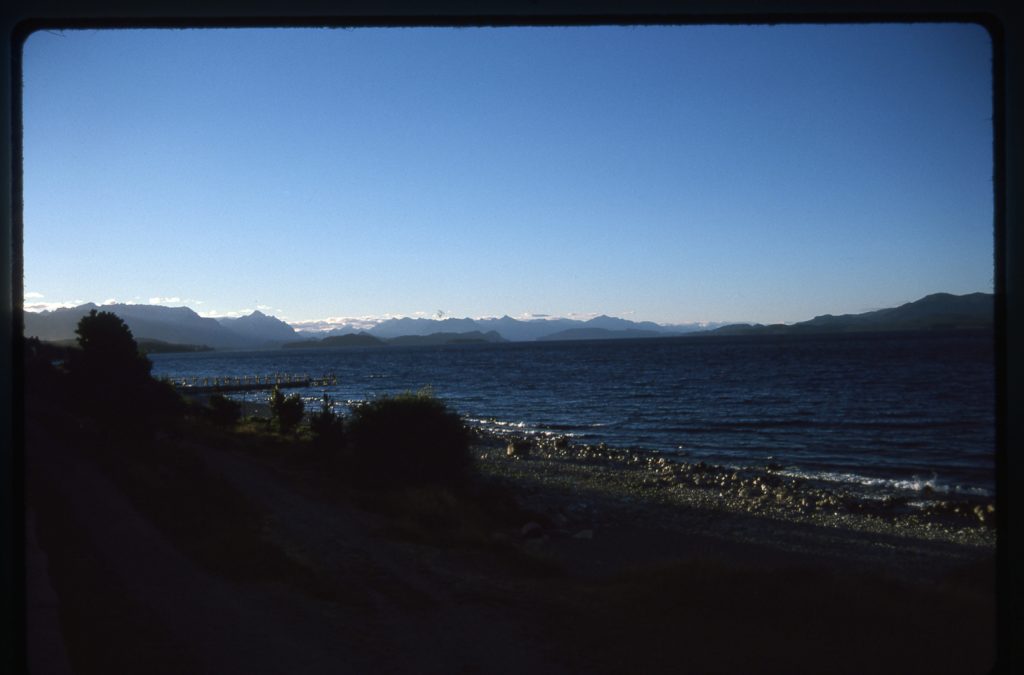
(886, 410)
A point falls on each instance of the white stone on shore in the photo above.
(519, 449)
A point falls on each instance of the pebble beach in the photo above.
(586, 493)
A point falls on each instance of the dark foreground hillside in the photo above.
(235, 551)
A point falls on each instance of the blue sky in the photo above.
(672, 174)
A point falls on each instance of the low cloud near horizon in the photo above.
(47, 306)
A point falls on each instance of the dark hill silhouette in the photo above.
(602, 334)
(367, 340)
(150, 346)
(467, 337)
(338, 341)
(939, 311)
(611, 323)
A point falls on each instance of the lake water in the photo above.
(896, 412)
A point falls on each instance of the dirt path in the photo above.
(440, 621)
(132, 603)
(45, 652)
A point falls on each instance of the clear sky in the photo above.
(672, 174)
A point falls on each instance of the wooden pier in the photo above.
(210, 385)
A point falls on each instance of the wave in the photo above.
(811, 467)
(576, 427)
(915, 484)
(492, 422)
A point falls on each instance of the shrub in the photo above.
(286, 411)
(224, 412)
(408, 439)
(327, 428)
(160, 400)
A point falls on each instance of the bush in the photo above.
(408, 439)
(327, 428)
(224, 412)
(286, 411)
(160, 400)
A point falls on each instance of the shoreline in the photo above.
(756, 490)
(765, 491)
(586, 494)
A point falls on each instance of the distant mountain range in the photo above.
(178, 325)
(336, 341)
(182, 326)
(517, 330)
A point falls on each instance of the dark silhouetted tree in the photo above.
(328, 429)
(287, 411)
(111, 379)
(109, 350)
